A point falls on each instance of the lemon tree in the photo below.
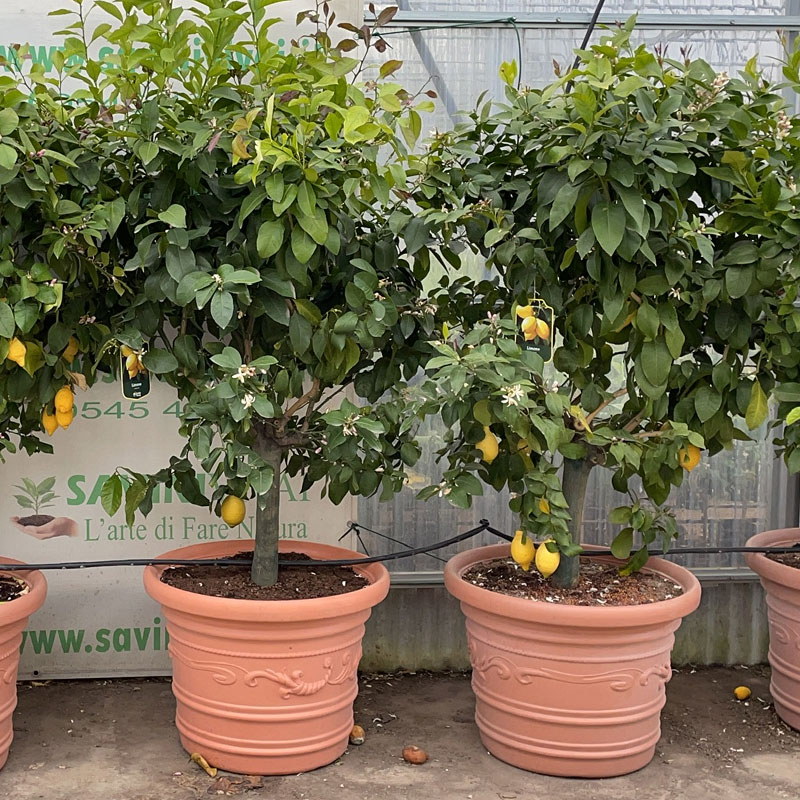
(59, 279)
(653, 204)
(270, 266)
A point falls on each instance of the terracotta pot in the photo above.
(569, 690)
(265, 687)
(13, 619)
(782, 585)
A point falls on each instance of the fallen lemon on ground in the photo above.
(232, 510)
(16, 351)
(547, 562)
(523, 550)
(49, 422)
(524, 311)
(689, 457)
(489, 445)
(742, 692)
(64, 400)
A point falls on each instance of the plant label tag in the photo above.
(534, 323)
(135, 378)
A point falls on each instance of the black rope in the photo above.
(344, 562)
(230, 562)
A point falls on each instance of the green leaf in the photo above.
(133, 497)
(621, 515)
(7, 324)
(346, 323)
(707, 402)
(174, 216)
(647, 320)
(8, 156)
(270, 238)
(623, 544)
(303, 246)
(147, 151)
(8, 121)
(738, 280)
(306, 199)
(111, 495)
(309, 310)
(656, 362)
(222, 308)
(608, 225)
(563, 203)
(229, 359)
(300, 332)
(415, 235)
(159, 362)
(793, 416)
(758, 407)
(316, 226)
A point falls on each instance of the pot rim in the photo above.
(766, 567)
(24, 606)
(577, 616)
(267, 610)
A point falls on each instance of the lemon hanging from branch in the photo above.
(489, 445)
(17, 351)
(547, 562)
(523, 550)
(689, 457)
(232, 510)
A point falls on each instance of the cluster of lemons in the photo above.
(64, 403)
(525, 553)
(531, 326)
(64, 411)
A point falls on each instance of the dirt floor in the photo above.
(114, 740)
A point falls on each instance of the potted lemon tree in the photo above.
(271, 275)
(632, 327)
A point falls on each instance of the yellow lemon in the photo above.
(689, 457)
(522, 551)
(64, 400)
(16, 351)
(542, 329)
(524, 311)
(72, 349)
(232, 510)
(132, 365)
(528, 324)
(126, 351)
(742, 692)
(49, 422)
(529, 336)
(489, 445)
(547, 562)
(64, 418)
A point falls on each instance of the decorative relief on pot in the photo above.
(785, 635)
(618, 680)
(293, 682)
(9, 675)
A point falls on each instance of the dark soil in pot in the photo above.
(294, 583)
(787, 559)
(11, 588)
(37, 520)
(600, 584)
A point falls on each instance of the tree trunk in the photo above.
(265, 556)
(574, 478)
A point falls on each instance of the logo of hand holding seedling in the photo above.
(35, 498)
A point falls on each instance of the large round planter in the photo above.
(13, 619)
(265, 687)
(569, 690)
(782, 585)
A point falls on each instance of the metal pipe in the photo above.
(571, 20)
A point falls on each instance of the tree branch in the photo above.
(311, 396)
(619, 393)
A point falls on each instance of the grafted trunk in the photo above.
(265, 556)
(574, 479)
